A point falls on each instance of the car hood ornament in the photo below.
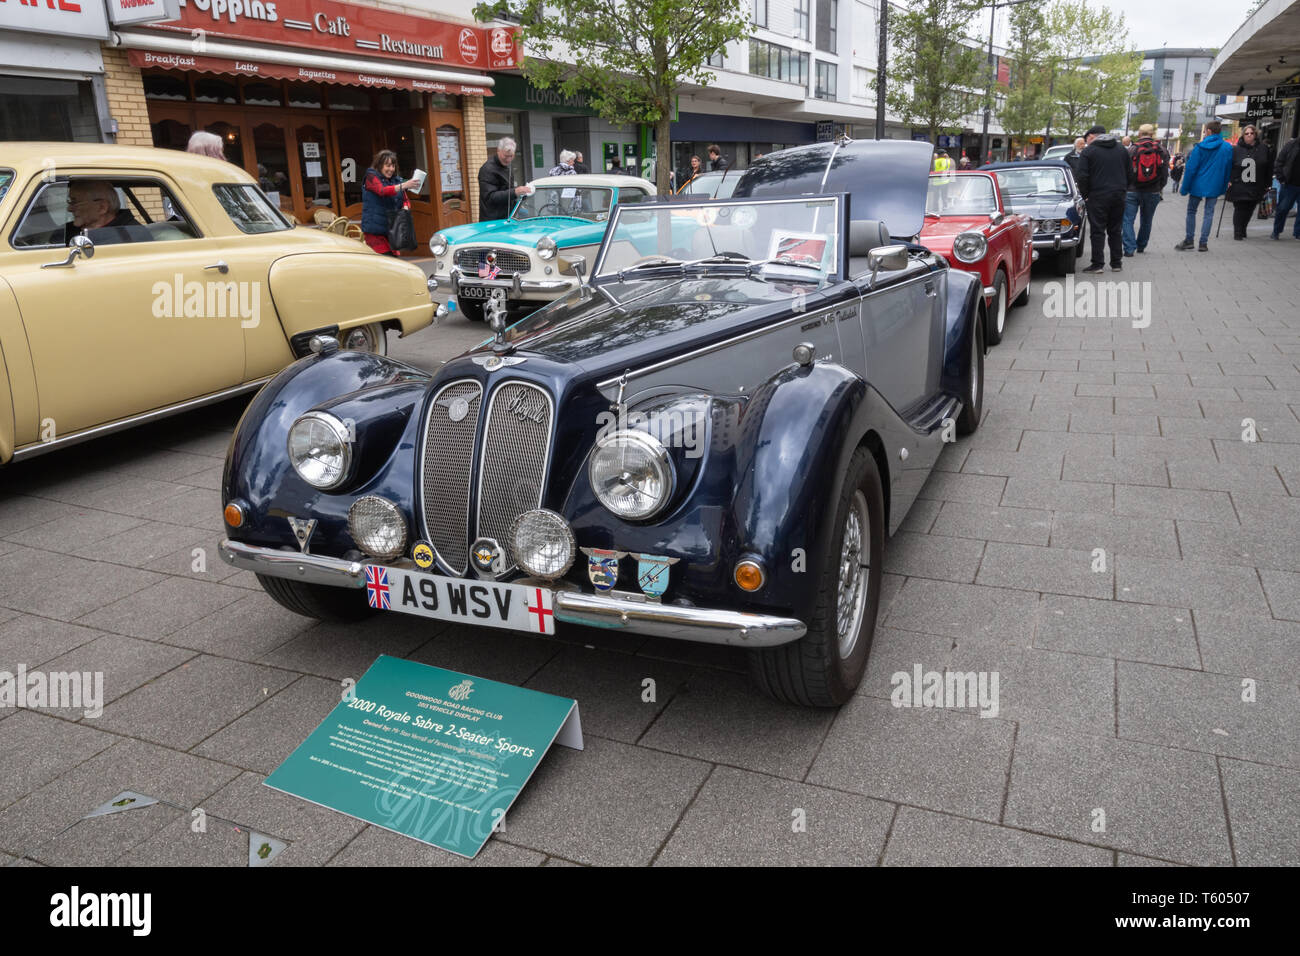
(494, 362)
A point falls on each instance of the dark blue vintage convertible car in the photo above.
(710, 442)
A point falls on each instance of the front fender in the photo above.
(379, 396)
(316, 290)
(965, 307)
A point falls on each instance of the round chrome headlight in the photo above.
(438, 244)
(542, 543)
(377, 526)
(546, 248)
(970, 247)
(319, 450)
(632, 474)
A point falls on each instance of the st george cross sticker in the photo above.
(539, 605)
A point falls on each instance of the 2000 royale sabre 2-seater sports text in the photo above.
(709, 443)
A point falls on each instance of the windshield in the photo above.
(960, 196)
(583, 202)
(1033, 181)
(795, 238)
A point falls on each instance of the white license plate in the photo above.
(475, 291)
(515, 607)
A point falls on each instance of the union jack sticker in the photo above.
(377, 588)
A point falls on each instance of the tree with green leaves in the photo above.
(933, 69)
(1191, 132)
(1027, 106)
(1093, 70)
(630, 57)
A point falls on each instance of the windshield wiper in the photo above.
(659, 263)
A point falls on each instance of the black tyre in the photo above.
(973, 407)
(1067, 261)
(823, 668)
(997, 310)
(318, 600)
(472, 309)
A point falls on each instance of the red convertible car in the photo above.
(967, 224)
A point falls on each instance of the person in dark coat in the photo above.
(694, 169)
(579, 164)
(1072, 159)
(717, 163)
(1105, 175)
(1287, 171)
(1252, 171)
(384, 192)
(1176, 170)
(497, 191)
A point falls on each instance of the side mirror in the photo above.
(888, 258)
(573, 266)
(79, 246)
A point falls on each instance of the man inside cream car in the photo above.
(94, 204)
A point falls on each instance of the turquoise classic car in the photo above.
(530, 256)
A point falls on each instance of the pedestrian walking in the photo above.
(384, 195)
(206, 144)
(942, 162)
(1105, 175)
(579, 164)
(1287, 172)
(717, 163)
(1150, 164)
(695, 168)
(964, 162)
(1252, 171)
(1176, 170)
(565, 166)
(1205, 177)
(496, 183)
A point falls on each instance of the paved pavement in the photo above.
(1149, 696)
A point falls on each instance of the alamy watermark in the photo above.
(673, 427)
(1099, 300)
(946, 689)
(53, 689)
(213, 299)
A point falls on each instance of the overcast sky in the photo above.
(1175, 23)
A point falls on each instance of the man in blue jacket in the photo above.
(1205, 177)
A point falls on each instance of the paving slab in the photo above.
(924, 838)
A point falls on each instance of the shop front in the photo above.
(52, 72)
(308, 124)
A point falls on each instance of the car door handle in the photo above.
(219, 265)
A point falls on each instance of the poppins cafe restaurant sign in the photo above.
(327, 26)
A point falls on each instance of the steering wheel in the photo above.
(553, 202)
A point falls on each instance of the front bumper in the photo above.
(515, 287)
(1057, 242)
(613, 610)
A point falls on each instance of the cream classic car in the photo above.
(137, 282)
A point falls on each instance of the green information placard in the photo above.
(429, 753)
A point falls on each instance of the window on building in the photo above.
(801, 13)
(827, 15)
(864, 83)
(166, 86)
(1196, 86)
(718, 59)
(758, 12)
(777, 62)
(825, 87)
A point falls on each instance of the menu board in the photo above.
(449, 159)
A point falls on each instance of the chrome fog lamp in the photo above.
(632, 474)
(319, 450)
(546, 248)
(542, 543)
(438, 244)
(377, 526)
(969, 247)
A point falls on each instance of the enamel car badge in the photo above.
(488, 557)
(422, 555)
(302, 530)
(602, 567)
(494, 362)
(652, 573)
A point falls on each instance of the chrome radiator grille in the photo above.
(509, 261)
(448, 465)
(516, 451)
